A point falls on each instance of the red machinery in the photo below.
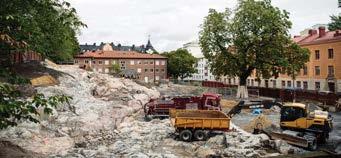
(160, 107)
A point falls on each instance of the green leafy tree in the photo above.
(14, 108)
(48, 27)
(116, 68)
(335, 23)
(180, 63)
(254, 38)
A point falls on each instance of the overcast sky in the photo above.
(171, 23)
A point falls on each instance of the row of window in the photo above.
(286, 84)
(132, 62)
(318, 70)
(150, 70)
(330, 54)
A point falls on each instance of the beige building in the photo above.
(321, 73)
(146, 67)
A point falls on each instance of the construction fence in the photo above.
(285, 95)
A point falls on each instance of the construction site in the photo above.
(116, 117)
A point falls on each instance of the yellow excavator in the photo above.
(303, 125)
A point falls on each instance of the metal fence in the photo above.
(286, 95)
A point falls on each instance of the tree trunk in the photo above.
(242, 88)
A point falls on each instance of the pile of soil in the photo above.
(10, 150)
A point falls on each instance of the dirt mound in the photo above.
(10, 150)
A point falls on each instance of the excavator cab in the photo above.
(306, 118)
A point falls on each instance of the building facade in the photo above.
(147, 67)
(321, 73)
(202, 66)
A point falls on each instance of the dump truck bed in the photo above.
(199, 119)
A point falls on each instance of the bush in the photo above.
(14, 108)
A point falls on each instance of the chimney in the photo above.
(322, 31)
(312, 32)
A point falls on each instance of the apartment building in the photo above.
(147, 67)
(321, 73)
(202, 66)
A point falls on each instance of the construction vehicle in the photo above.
(302, 125)
(195, 124)
(160, 107)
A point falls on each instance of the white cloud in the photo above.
(172, 23)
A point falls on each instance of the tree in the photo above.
(48, 27)
(180, 63)
(335, 23)
(253, 39)
(116, 68)
(297, 58)
(13, 108)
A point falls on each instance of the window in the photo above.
(229, 81)
(139, 62)
(162, 70)
(298, 84)
(76, 61)
(274, 83)
(156, 70)
(163, 62)
(106, 62)
(248, 81)
(151, 62)
(145, 62)
(330, 70)
(305, 85)
(266, 83)
(151, 70)
(206, 74)
(139, 70)
(289, 83)
(86, 61)
(305, 70)
(330, 53)
(94, 62)
(145, 70)
(100, 62)
(252, 82)
(157, 62)
(106, 70)
(317, 86)
(99, 70)
(113, 61)
(132, 62)
(317, 70)
(283, 84)
(317, 54)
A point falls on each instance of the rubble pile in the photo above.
(105, 119)
(100, 103)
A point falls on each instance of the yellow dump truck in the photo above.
(195, 124)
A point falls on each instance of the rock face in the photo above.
(100, 103)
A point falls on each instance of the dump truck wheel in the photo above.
(186, 135)
(200, 135)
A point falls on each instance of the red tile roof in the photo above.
(314, 38)
(119, 55)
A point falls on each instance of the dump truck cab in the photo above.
(307, 118)
(160, 107)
